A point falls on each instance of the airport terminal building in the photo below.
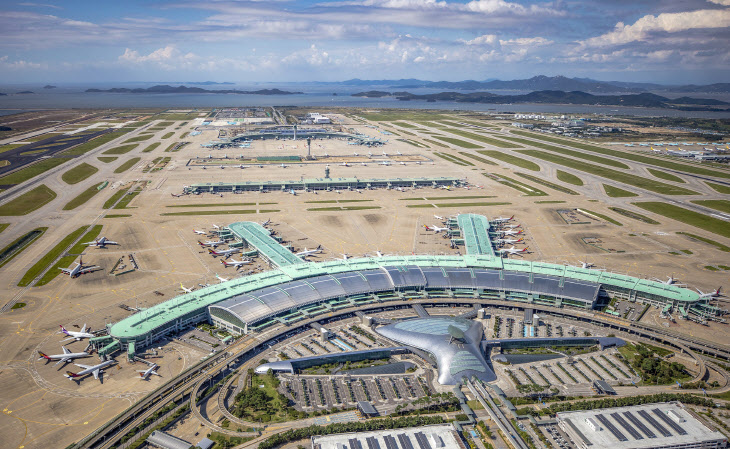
(297, 290)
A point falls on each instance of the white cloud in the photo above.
(6, 63)
(168, 58)
(720, 2)
(39, 5)
(485, 39)
(667, 23)
(526, 41)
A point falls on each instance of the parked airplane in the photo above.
(266, 223)
(224, 252)
(95, 370)
(79, 269)
(200, 232)
(222, 279)
(282, 166)
(75, 335)
(145, 374)
(511, 226)
(437, 217)
(64, 358)
(512, 250)
(714, 294)
(217, 228)
(585, 264)
(177, 196)
(185, 289)
(503, 219)
(436, 229)
(101, 243)
(309, 252)
(236, 263)
(510, 241)
(510, 232)
(211, 243)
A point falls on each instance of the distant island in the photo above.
(647, 100)
(166, 89)
(23, 92)
(49, 86)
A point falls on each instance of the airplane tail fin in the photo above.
(511, 217)
(225, 264)
(212, 252)
(518, 241)
(71, 375)
(43, 356)
(63, 330)
(319, 247)
(200, 243)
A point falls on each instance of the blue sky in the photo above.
(677, 42)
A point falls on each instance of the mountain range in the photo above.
(166, 89)
(542, 82)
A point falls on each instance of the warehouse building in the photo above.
(440, 436)
(667, 425)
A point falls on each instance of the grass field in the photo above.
(107, 159)
(79, 173)
(604, 217)
(121, 150)
(569, 178)
(527, 189)
(511, 159)
(117, 215)
(50, 256)
(213, 205)
(439, 198)
(550, 202)
(151, 147)
(718, 245)
(572, 153)
(114, 198)
(615, 192)
(28, 202)
(127, 165)
(168, 135)
(138, 139)
(477, 158)
(485, 139)
(66, 261)
(85, 196)
(32, 152)
(719, 188)
(702, 221)
(19, 245)
(414, 143)
(454, 159)
(433, 142)
(4, 226)
(548, 184)
(458, 142)
(221, 212)
(94, 143)
(399, 114)
(31, 171)
(634, 215)
(626, 178)
(338, 201)
(630, 156)
(666, 176)
(462, 204)
(721, 205)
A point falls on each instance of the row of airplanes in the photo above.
(80, 268)
(95, 370)
(504, 229)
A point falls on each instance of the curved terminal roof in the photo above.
(291, 366)
(455, 272)
(455, 357)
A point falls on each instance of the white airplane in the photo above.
(75, 335)
(64, 358)
(176, 196)
(185, 289)
(386, 163)
(236, 263)
(145, 374)
(79, 269)
(266, 223)
(211, 243)
(355, 153)
(512, 250)
(200, 232)
(714, 294)
(282, 166)
(503, 219)
(512, 226)
(218, 228)
(510, 232)
(95, 370)
(379, 254)
(221, 278)
(345, 256)
(510, 241)
(345, 164)
(224, 252)
(438, 217)
(585, 264)
(436, 229)
(101, 243)
(309, 252)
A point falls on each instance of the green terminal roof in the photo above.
(139, 324)
(260, 238)
(475, 230)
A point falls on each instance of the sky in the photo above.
(669, 42)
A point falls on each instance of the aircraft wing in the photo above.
(63, 360)
(65, 270)
(66, 350)
(83, 366)
(88, 269)
(96, 373)
(109, 242)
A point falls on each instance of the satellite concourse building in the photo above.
(666, 425)
(439, 436)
